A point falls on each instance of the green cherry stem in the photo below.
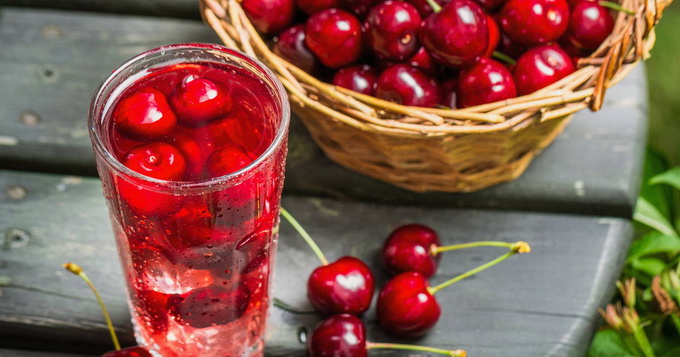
(435, 7)
(301, 231)
(503, 57)
(77, 270)
(616, 7)
(448, 248)
(519, 247)
(398, 346)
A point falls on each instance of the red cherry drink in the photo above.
(190, 142)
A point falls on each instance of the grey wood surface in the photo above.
(52, 61)
(164, 8)
(25, 353)
(539, 304)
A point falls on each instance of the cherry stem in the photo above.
(519, 247)
(503, 57)
(435, 7)
(398, 346)
(301, 231)
(616, 7)
(437, 250)
(77, 270)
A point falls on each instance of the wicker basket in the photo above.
(425, 149)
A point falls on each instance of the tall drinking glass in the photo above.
(190, 142)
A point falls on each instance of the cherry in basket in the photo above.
(391, 29)
(334, 37)
(540, 67)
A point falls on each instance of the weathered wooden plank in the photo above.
(24, 353)
(52, 62)
(538, 304)
(165, 8)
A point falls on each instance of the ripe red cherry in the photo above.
(534, 22)
(129, 352)
(490, 5)
(449, 88)
(424, 8)
(423, 60)
(509, 47)
(359, 78)
(409, 248)
(341, 335)
(210, 306)
(144, 114)
(311, 7)
(494, 36)
(197, 100)
(269, 16)
(334, 36)
(228, 159)
(589, 25)
(405, 306)
(486, 82)
(392, 29)
(541, 66)
(344, 286)
(291, 46)
(408, 85)
(359, 7)
(458, 35)
(157, 160)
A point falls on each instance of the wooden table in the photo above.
(573, 205)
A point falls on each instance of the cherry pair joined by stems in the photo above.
(344, 335)
(344, 286)
(135, 351)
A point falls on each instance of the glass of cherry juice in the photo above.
(190, 142)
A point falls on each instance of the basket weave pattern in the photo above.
(426, 149)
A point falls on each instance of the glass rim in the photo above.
(116, 165)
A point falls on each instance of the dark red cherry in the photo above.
(490, 5)
(541, 66)
(228, 159)
(311, 7)
(359, 7)
(392, 28)
(408, 85)
(486, 82)
(589, 25)
(409, 248)
(405, 306)
(494, 36)
(534, 22)
(341, 335)
(424, 8)
(291, 46)
(334, 37)
(509, 47)
(269, 16)
(359, 78)
(144, 114)
(449, 88)
(153, 307)
(344, 286)
(458, 35)
(129, 352)
(210, 306)
(424, 61)
(157, 160)
(197, 100)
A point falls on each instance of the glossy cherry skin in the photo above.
(490, 5)
(228, 159)
(589, 25)
(144, 114)
(534, 22)
(359, 7)
(157, 160)
(424, 61)
(290, 45)
(311, 7)
(494, 36)
(509, 47)
(210, 306)
(408, 85)
(269, 16)
(541, 66)
(424, 8)
(197, 100)
(341, 335)
(458, 35)
(344, 286)
(486, 82)
(392, 29)
(334, 37)
(405, 306)
(409, 248)
(135, 351)
(359, 78)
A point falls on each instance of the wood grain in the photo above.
(539, 304)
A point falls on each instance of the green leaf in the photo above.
(654, 243)
(672, 353)
(608, 343)
(650, 266)
(649, 215)
(670, 177)
(658, 195)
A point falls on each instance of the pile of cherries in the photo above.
(406, 307)
(435, 53)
